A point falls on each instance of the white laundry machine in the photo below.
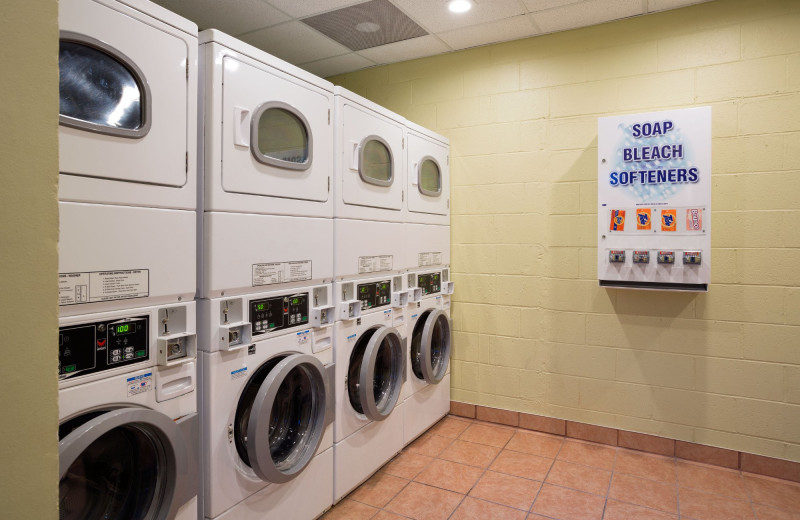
(370, 355)
(128, 427)
(127, 155)
(427, 176)
(267, 404)
(368, 188)
(267, 210)
(426, 396)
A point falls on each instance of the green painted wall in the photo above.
(29, 259)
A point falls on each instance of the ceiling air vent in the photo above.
(366, 25)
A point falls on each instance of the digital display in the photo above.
(260, 306)
(124, 328)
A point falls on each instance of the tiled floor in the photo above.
(464, 469)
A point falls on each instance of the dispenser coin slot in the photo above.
(691, 257)
(641, 257)
(616, 257)
(666, 257)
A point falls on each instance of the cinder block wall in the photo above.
(534, 332)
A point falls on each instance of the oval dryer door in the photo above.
(121, 463)
(281, 416)
(430, 346)
(376, 372)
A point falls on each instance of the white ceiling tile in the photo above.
(663, 5)
(295, 42)
(434, 16)
(543, 5)
(337, 65)
(586, 13)
(513, 28)
(405, 50)
(243, 16)
(303, 8)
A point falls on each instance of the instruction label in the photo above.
(281, 272)
(428, 259)
(101, 286)
(238, 373)
(139, 384)
(375, 264)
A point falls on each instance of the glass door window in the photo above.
(375, 372)
(430, 346)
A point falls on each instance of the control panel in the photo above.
(374, 294)
(430, 283)
(278, 313)
(103, 345)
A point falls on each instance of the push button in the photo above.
(641, 257)
(691, 257)
(666, 257)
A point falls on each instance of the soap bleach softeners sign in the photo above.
(654, 200)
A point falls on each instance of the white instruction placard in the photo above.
(100, 286)
(139, 384)
(375, 264)
(429, 259)
(281, 272)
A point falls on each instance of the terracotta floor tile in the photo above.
(773, 492)
(450, 475)
(484, 434)
(378, 490)
(350, 510)
(768, 513)
(622, 511)
(647, 493)
(423, 502)
(588, 454)
(703, 506)
(522, 465)
(568, 504)
(386, 515)
(541, 444)
(507, 490)
(407, 465)
(580, 477)
(450, 427)
(429, 444)
(479, 455)
(474, 509)
(645, 465)
(711, 479)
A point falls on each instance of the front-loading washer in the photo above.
(128, 427)
(370, 356)
(267, 162)
(267, 404)
(426, 396)
(127, 155)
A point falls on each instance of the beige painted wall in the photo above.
(534, 331)
(28, 256)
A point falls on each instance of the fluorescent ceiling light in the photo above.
(459, 6)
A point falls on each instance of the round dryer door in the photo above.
(430, 346)
(122, 463)
(281, 416)
(376, 372)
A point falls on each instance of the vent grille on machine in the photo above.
(366, 25)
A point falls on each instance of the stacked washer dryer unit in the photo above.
(127, 199)
(427, 238)
(369, 291)
(266, 306)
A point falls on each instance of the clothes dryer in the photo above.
(268, 166)
(370, 354)
(427, 176)
(368, 188)
(128, 427)
(127, 155)
(426, 396)
(267, 405)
